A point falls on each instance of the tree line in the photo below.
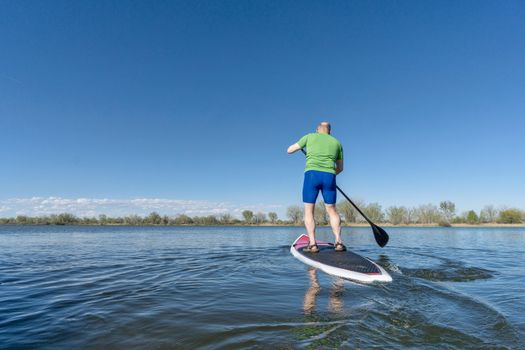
(428, 214)
(249, 218)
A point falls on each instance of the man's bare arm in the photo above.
(293, 148)
(338, 166)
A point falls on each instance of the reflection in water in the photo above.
(335, 301)
(336, 296)
(311, 293)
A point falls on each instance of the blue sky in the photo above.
(195, 102)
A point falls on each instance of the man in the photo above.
(324, 160)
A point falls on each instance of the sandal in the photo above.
(311, 248)
(340, 247)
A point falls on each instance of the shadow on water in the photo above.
(448, 270)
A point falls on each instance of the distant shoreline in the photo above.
(488, 225)
(423, 216)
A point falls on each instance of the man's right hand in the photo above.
(338, 166)
(293, 148)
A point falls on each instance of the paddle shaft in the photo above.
(355, 206)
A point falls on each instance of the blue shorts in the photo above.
(319, 180)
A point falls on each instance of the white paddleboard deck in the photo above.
(341, 264)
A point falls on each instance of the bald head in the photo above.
(324, 128)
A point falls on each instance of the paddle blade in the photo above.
(380, 235)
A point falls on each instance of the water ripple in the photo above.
(163, 288)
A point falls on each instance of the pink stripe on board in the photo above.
(304, 240)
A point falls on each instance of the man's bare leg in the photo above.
(335, 221)
(309, 221)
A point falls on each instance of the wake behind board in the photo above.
(342, 264)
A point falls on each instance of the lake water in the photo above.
(239, 287)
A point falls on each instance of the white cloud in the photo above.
(36, 206)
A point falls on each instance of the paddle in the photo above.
(379, 234)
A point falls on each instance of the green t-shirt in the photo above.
(322, 150)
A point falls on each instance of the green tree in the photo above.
(210, 220)
(66, 219)
(273, 217)
(248, 216)
(153, 219)
(396, 215)
(448, 210)
(183, 219)
(22, 220)
(102, 219)
(118, 220)
(510, 216)
(472, 218)
(460, 219)
(205, 220)
(198, 220)
(86, 221)
(295, 214)
(133, 220)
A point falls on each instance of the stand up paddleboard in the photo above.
(342, 264)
